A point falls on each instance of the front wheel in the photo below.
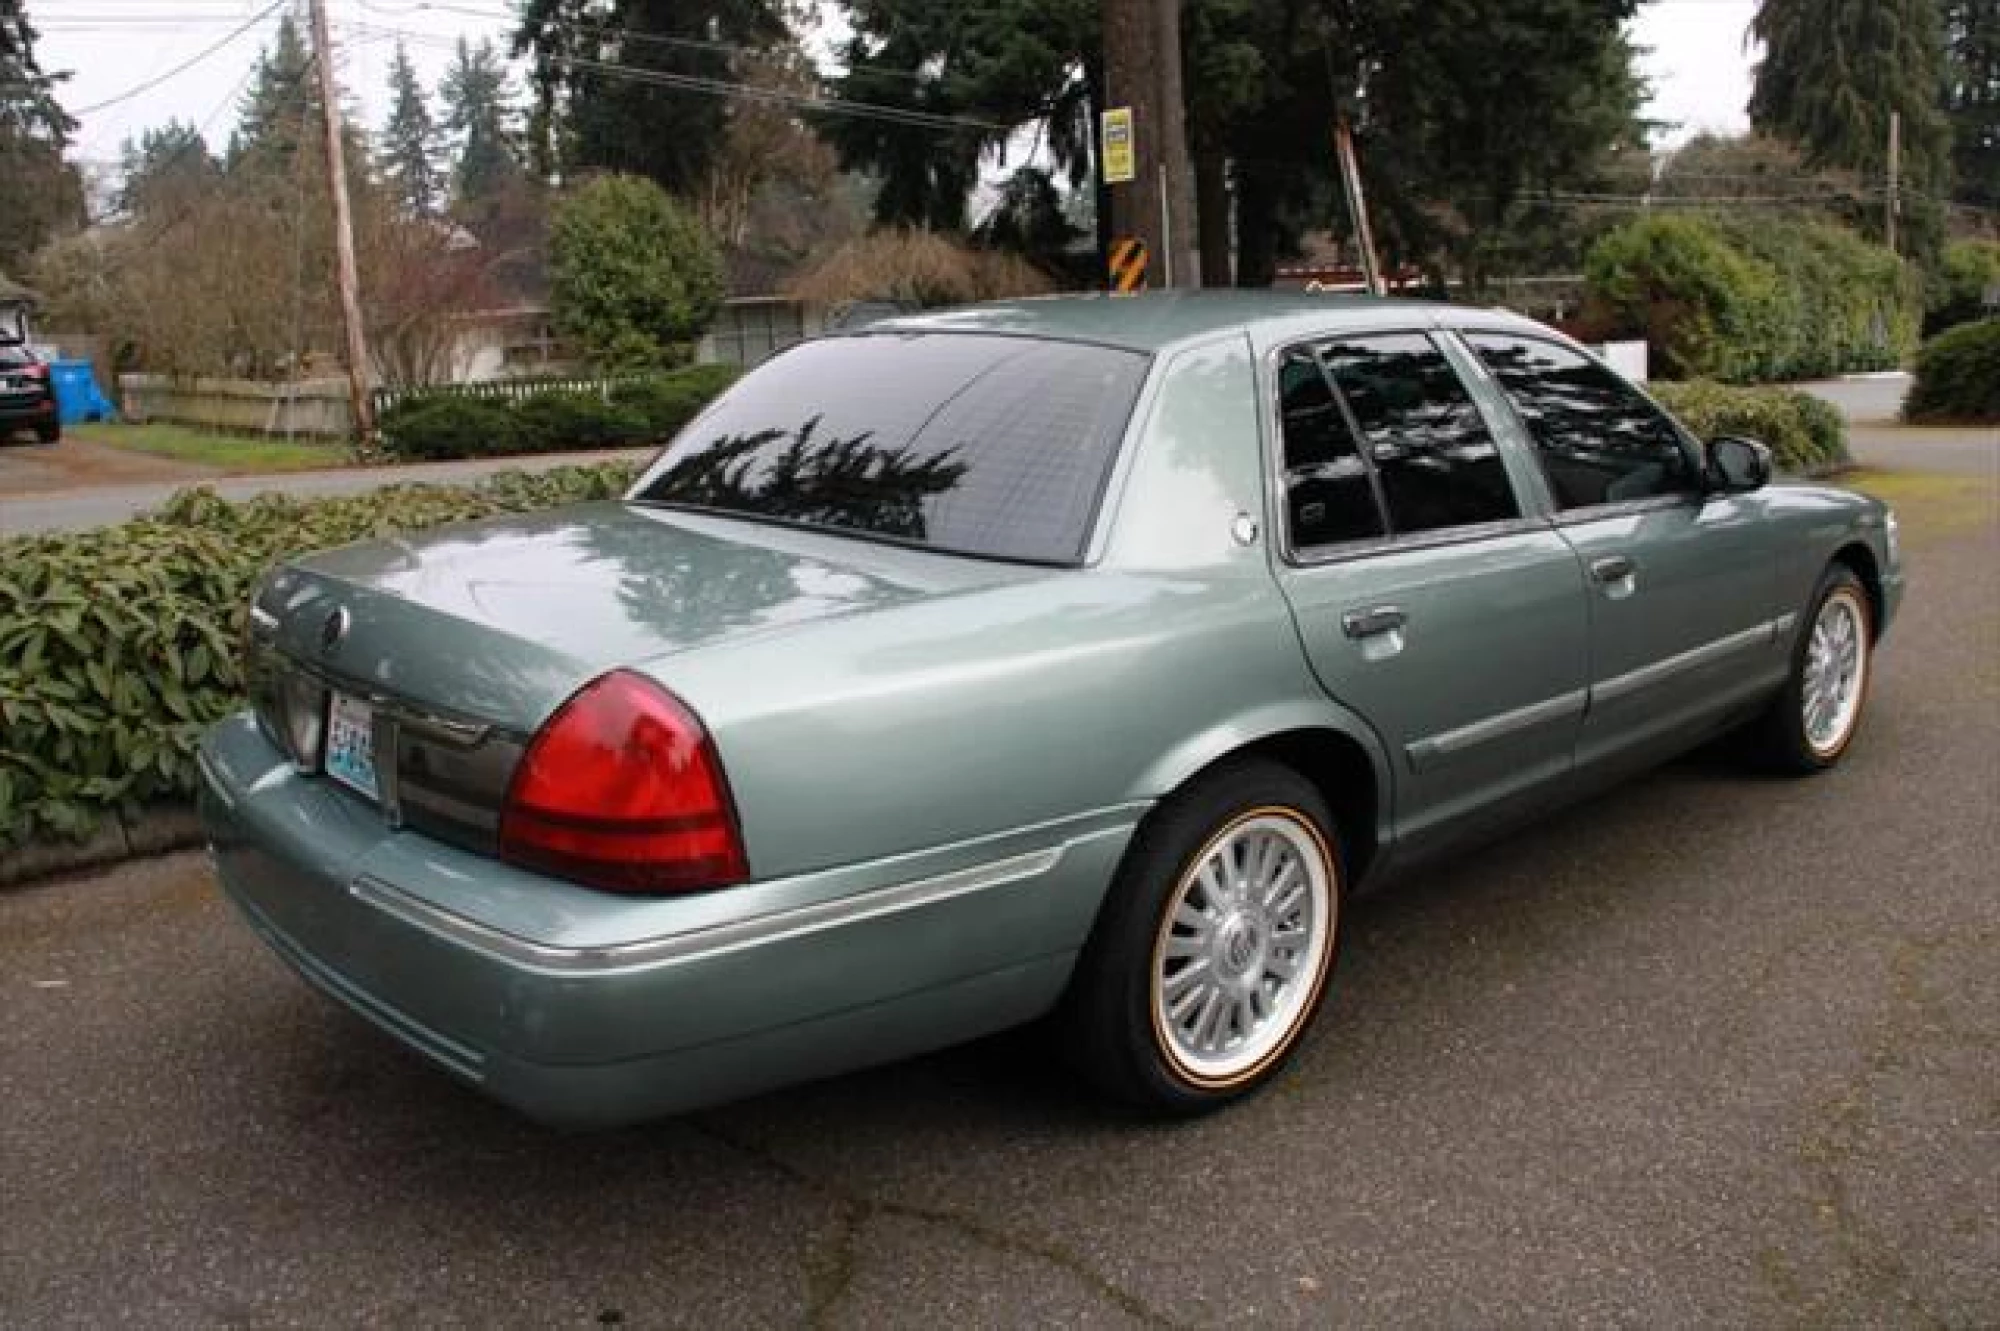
(1215, 945)
(1813, 720)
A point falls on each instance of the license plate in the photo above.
(350, 744)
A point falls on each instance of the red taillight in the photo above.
(622, 789)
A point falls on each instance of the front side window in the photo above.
(1438, 464)
(981, 445)
(1329, 497)
(1600, 442)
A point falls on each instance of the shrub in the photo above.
(632, 274)
(120, 643)
(1673, 281)
(443, 426)
(1958, 377)
(1971, 269)
(1804, 433)
(664, 403)
(1752, 300)
(565, 419)
(917, 268)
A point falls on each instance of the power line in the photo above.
(184, 66)
(736, 88)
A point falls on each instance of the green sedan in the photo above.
(1076, 659)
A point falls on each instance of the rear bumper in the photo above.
(588, 1009)
(14, 412)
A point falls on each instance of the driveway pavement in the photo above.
(1710, 1050)
(28, 504)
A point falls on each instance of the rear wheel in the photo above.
(50, 433)
(1214, 948)
(1813, 720)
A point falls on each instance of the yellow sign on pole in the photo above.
(1128, 265)
(1117, 158)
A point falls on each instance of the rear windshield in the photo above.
(981, 445)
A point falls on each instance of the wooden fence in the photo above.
(314, 407)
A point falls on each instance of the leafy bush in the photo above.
(120, 643)
(667, 402)
(639, 410)
(1804, 433)
(633, 277)
(1958, 377)
(917, 268)
(441, 426)
(1971, 269)
(1752, 300)
(564, 419)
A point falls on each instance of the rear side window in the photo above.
(981, 445)
(1438, 465)
(1600, 442)
(1329, 497)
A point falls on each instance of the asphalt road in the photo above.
(31, 503)
(1710, 1050)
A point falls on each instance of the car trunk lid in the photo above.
(442, 652)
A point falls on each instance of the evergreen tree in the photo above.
(280, 112)
(1972, 97)
(1833, 72)
(408, 156)
(42, 192)
(479, 113)
(611, 82)
(164, 167)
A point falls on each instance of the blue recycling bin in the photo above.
(78, 397)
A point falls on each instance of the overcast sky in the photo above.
(1697, 59)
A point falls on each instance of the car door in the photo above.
(1429, 600)
(1682, 583)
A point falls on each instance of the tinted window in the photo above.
(1438, 465)
(993, 446)
(1328, 494)
(1600, 442)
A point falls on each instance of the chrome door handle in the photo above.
(1612, 568)
(1373, 621)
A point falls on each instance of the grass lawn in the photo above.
(1930, 505)
(230, 452)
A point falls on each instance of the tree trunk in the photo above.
(1211, 192)
(1256, 227)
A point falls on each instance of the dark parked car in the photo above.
(27, 395)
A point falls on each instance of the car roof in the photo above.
(1154, 321)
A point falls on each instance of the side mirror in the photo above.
(1737, 465)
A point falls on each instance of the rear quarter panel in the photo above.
(1027, 703)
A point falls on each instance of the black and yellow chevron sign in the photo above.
(1128, 264)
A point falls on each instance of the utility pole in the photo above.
(1895, 198)
(1357, 202)
(343, 231)
(1178, 240)
(1142, 73)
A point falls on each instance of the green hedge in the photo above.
(1958, 377)
(630, 413)
(120, 644)
(1805, 434)
(1752, 300)
(1971, 269)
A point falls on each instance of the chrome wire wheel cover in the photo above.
(1243, 947)
(1836, 673)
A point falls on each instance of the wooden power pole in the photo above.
(1142, 75)
(1357, 203)
(343, 230)
(1895, 196)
